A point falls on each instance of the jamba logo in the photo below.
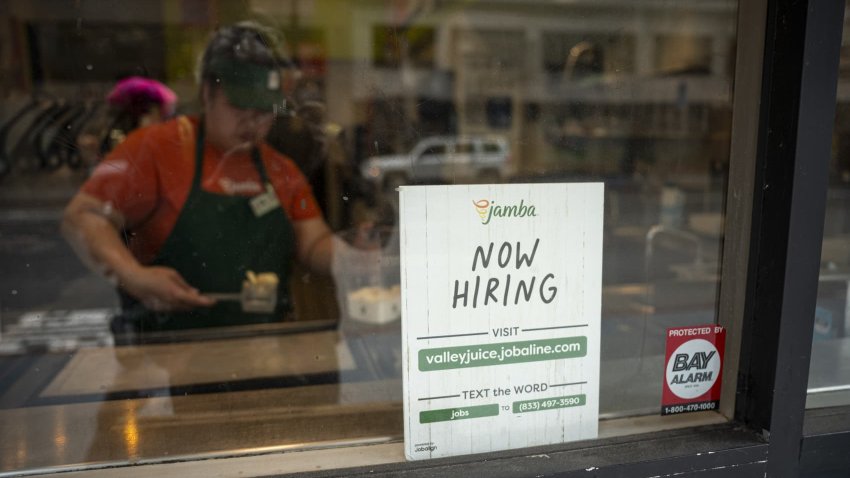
(488, 209)
(482, 206)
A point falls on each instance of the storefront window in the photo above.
(368, 96)
(829, 376)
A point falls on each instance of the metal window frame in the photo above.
(795, 130)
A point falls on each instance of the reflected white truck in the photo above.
(444, 159)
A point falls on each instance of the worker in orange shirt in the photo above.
(204, 200)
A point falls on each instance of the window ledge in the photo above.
(653, 443)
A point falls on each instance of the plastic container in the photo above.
(366, 270)
(260, 294)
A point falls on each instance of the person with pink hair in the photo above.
(144, 100)
(134, 102)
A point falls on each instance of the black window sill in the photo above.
(725, 450)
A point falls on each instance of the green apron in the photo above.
(216, 240)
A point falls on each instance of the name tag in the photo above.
(263, 203)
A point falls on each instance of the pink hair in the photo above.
(139, 93)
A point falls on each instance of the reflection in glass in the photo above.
(377, 95)
(829, 373)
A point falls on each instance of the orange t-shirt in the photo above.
(148, 177)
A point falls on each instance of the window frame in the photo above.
(785, 84)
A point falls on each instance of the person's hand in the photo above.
(163, 289)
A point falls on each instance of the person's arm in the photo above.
(314, 244)
(92, 228)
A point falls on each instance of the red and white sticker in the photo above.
(693, 368)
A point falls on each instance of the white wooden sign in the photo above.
(501, 297)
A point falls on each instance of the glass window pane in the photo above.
(162, 284)
(829, 375)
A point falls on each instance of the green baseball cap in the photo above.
(248, 85)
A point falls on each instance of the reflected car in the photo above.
(444, 159)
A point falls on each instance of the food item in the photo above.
(376, 305)
(259, 292)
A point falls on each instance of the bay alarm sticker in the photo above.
(693, 365)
